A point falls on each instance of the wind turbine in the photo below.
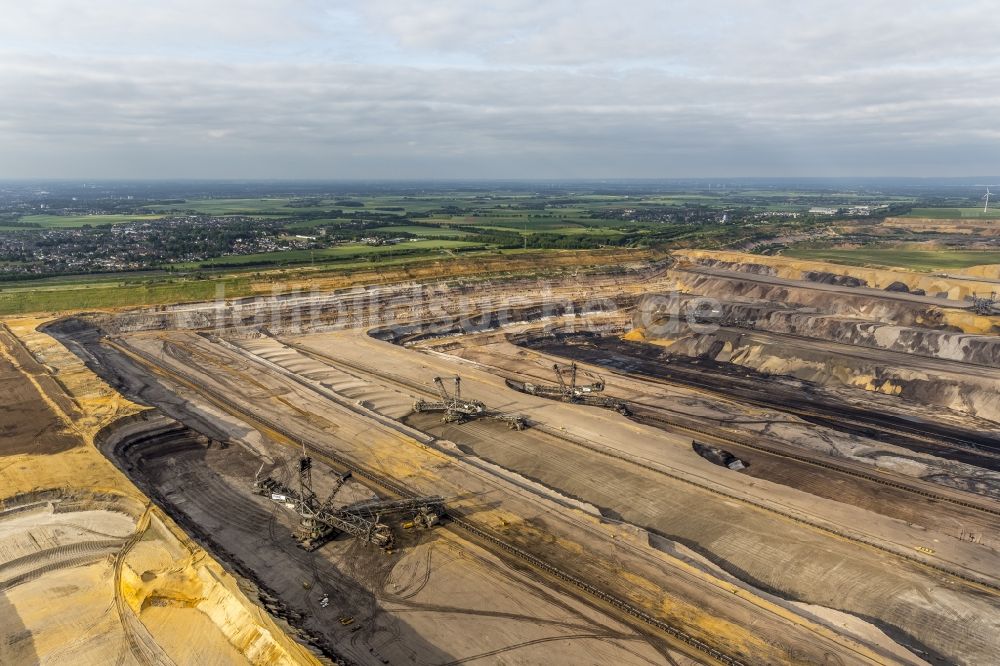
(986, 197)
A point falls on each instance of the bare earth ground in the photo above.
(289, 403)
(739, 537)
(89, 573)
(435, 599)
(841, 543)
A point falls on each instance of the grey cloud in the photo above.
(332, 116)
(560, 88)
(105, 24)
(738, 36)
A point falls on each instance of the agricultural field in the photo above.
(915, 260)
(955, 213)
(89, 295)
(112, 291)
(234, 206)
(338, 253)
(529, 224)
(76, 221)
(418, 230)
(561, 228)
(308, 224)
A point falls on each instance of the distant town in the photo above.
(59, 229)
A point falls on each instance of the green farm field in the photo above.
(76, 221)
(917, 260)
(233, 206)
(527, 224)
(563, 229)
(90, 292)
(955, 213)
(115, 294)
(418, 230)
(339, 253)
(310, 224)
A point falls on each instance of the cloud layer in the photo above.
(514, 88)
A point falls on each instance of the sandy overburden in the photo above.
(90, 571)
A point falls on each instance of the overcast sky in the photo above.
(498, 88)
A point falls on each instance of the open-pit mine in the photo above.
(713, 458)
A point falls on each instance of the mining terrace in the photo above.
(718, 458)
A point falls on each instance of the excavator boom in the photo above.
(442, 391)
(337, 485)
(559, 376)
